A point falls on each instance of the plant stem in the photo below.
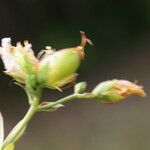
(12, 137)
(17, 131)
(65, 99)
(73, 96)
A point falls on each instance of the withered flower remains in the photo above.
(113, 91)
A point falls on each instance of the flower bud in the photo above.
(61, 66)
(19, 61)
(80, 87)
(115, 90)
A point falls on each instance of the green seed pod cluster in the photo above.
(59, 68)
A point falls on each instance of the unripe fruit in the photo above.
(59, 68)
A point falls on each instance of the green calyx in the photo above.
(105, 92)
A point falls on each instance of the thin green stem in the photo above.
(66, 99)
(17, 131)
(13, 135)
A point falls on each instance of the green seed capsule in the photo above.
(59, 68)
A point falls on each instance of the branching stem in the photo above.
(16, 132)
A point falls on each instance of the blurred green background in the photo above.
(120, 31)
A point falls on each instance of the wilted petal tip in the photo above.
(27, 46)
(5, 42)
(130, 88)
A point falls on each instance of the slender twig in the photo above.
(22, 124)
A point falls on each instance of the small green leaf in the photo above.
(10, 147)
(48, 106)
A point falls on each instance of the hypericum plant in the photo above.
(53, 69)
